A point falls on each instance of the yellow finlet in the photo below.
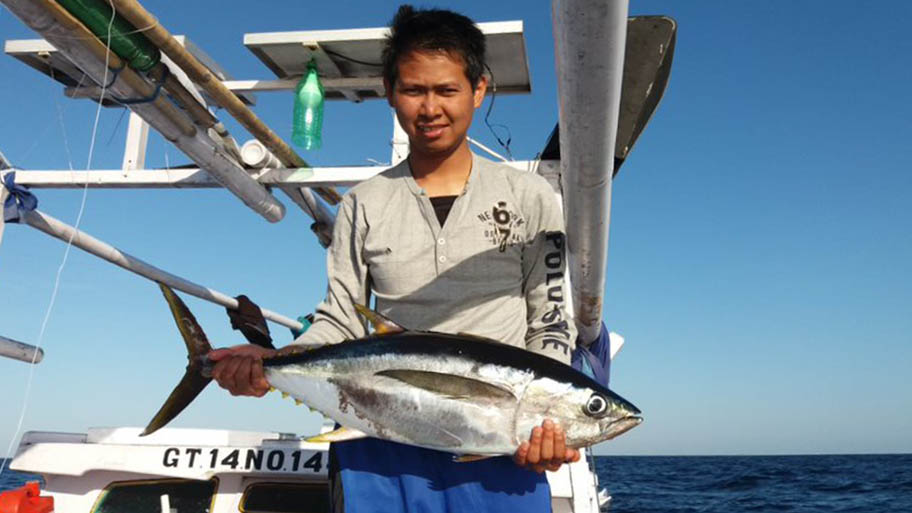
(339, 435)
(467, 458)
(284, 395)
(382, 325)
(298, 402)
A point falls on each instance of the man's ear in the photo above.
(480, 91)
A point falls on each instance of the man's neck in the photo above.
(444, 175)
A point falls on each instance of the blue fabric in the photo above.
(594, 361)
(382, 476)
(306, 324)
(19, 199)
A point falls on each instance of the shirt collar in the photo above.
(404, 171)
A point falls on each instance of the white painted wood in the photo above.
(487, 150)
(289, 84)
(137, 140)
(400, 142)
(3, 194)
(193, 178)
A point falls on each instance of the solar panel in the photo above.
(354, 56)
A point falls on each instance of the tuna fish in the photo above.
(458, 393)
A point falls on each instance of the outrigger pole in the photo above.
(16, 350)
(60, 230)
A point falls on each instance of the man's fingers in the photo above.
(522, 454)
(240, 350)
(535, 443)
(560, 446)
(225, 371)
(219, 354)
(242, 376)
(547, 444)
(258, 378)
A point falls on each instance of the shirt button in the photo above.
(442, 258)
(441, 241)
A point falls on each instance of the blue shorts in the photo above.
(381, 476)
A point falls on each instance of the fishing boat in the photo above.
(608, 92)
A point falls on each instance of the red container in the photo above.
(26, 499)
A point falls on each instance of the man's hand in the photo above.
(239, 369)
(546, 449)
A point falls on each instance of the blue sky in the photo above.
(759, 254)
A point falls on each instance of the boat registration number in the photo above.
(228, 459)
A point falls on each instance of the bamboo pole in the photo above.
(140, 86)
(132, 11)
(79, 45)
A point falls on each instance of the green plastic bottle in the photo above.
(308, 110)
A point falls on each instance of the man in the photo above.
(445, 241)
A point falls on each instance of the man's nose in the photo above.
(430, 105)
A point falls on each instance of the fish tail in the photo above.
(194, 380)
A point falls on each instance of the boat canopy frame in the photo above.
(581, 170)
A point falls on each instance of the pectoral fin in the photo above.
(449, 385)
(339, 435)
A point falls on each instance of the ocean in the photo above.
(726, 484)
(731, 484)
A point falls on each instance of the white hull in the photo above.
(173, 465)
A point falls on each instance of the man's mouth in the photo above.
(431, 131)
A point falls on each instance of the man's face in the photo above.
(434, 101)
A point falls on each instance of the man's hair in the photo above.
(434, 30)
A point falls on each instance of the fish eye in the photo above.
(596, 405)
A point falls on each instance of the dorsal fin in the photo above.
(382, 325)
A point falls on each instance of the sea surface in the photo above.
(729, 484)
(723, 484)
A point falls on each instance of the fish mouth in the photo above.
(620, 426)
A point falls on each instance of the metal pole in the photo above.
(20, 351)
(86, 242)
(589, 39)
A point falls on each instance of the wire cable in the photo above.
(356, 61)
(66, 254)
(509, 136)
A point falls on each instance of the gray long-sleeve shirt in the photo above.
(494, 269)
